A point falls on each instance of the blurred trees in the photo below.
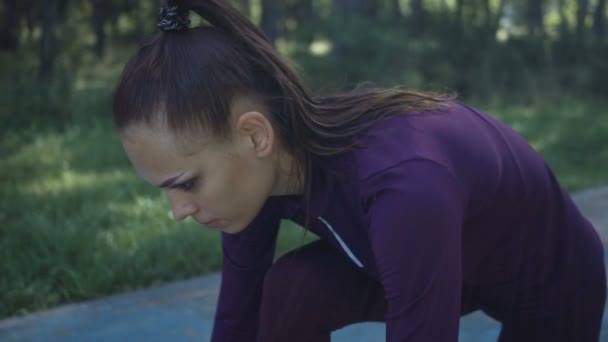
(599, 19)
(8, 28)
(270, 18)
(477, 47)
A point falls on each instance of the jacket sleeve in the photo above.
(416, 215)
(246, 258)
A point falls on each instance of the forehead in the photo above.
(157, 138)
(157, 153)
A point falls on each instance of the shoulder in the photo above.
(398, 138)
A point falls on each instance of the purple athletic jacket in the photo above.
(432, 203)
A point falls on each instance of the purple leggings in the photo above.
(314, 290)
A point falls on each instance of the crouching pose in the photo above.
(426, 208)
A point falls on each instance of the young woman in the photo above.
(426, 209)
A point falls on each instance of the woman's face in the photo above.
(221, 184)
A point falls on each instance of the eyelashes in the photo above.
(187, 186)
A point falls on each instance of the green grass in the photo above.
(78, 223)
(571, 134)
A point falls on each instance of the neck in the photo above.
(291, 176)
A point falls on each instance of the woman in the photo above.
(427, 209)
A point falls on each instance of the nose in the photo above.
(181, 207)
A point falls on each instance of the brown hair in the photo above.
(188, 80)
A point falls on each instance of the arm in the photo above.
(246, 258)
(415, 232)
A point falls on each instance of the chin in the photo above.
(232, 229)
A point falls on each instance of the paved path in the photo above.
(183, 311)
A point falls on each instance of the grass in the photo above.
(77, 223)
(571, 134)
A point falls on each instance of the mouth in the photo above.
(213, 224)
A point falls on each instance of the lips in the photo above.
(213, 223)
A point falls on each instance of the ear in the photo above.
(255, 130)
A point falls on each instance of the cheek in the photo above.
(226, 187)
(248, 182)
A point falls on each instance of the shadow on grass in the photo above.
(89, 241)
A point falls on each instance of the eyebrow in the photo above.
(169, 182)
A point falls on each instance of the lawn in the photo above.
(77, 222)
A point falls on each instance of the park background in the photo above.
(77, 223)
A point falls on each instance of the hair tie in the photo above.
(173, 20)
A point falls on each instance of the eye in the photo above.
(187, 185)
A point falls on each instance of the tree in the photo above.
(348, 14)
(534, 17)
(460, 13)
(599, 19)
(582, 10)
(396, 9)
(139, 17)
(98, 27)
(417, 17)
(47, 40)
(563, 19)
(357, 8)
(342, 14)
(270, 18)
(9, 29)
(300, 12)
(492, 20)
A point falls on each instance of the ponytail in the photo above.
(188, 78)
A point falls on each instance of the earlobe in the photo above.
(256, 128)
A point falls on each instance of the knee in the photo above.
(285, 299)
(284, 277)
(295, 280)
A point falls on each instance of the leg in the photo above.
(314, 290)
(580, 323)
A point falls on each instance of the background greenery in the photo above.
(76, 222)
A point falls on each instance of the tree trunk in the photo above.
(581, 15)
(270, 18)
(303, 11)
(492, 20)
(487, 14)
(47, 40)
(396, 8)
(140, 21)
(9, 30)
(460, 13)
(599, 20)
(342, 14)
(499, 12)
(361, 8)
(98, 27)
(564, 25)
(417, 17)
(535, 17)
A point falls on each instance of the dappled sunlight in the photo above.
(71, 180)
(320, 47)
(43, 151)
(146, 217)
